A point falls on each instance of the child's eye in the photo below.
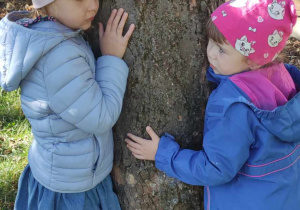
(221, 50)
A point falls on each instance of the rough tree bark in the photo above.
(166, 89)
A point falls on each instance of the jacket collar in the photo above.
(216, 78)
(42, 28)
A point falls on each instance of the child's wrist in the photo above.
(111, 54)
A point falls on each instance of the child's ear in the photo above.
(252, 65)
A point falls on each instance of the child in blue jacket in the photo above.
(71, 100)
(251, 145)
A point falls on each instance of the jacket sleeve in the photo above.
(91, 103)
(225, 149)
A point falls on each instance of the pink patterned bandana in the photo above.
(258, 29)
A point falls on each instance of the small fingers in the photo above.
(151, 133)
(122, 23)
(133, 144)
(134, 150)
(129, 32)
(111, 19)
(101, 30)
(136, 138)
(117, 19)
(141, 157)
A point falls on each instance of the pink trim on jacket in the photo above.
(271, 171)
(208, 198)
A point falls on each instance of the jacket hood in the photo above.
(21, 47)
(283, 121)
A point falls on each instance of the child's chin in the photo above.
(216, 71)
(86, 27)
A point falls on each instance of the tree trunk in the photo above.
(167, 89)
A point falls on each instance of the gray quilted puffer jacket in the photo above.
(70, 100)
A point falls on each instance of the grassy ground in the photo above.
(15, 138)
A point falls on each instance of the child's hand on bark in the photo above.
(143, 149)
(112, 41)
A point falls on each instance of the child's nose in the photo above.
(211, 52)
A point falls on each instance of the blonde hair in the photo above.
(214, 34)
(34, 13)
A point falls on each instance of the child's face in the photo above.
(224, 59)
(75, 14)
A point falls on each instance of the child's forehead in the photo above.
(224, 44)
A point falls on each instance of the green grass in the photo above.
(15, 138)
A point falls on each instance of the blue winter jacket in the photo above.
(70, 100)
(250, 156)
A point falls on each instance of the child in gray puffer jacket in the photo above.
(70, 100)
